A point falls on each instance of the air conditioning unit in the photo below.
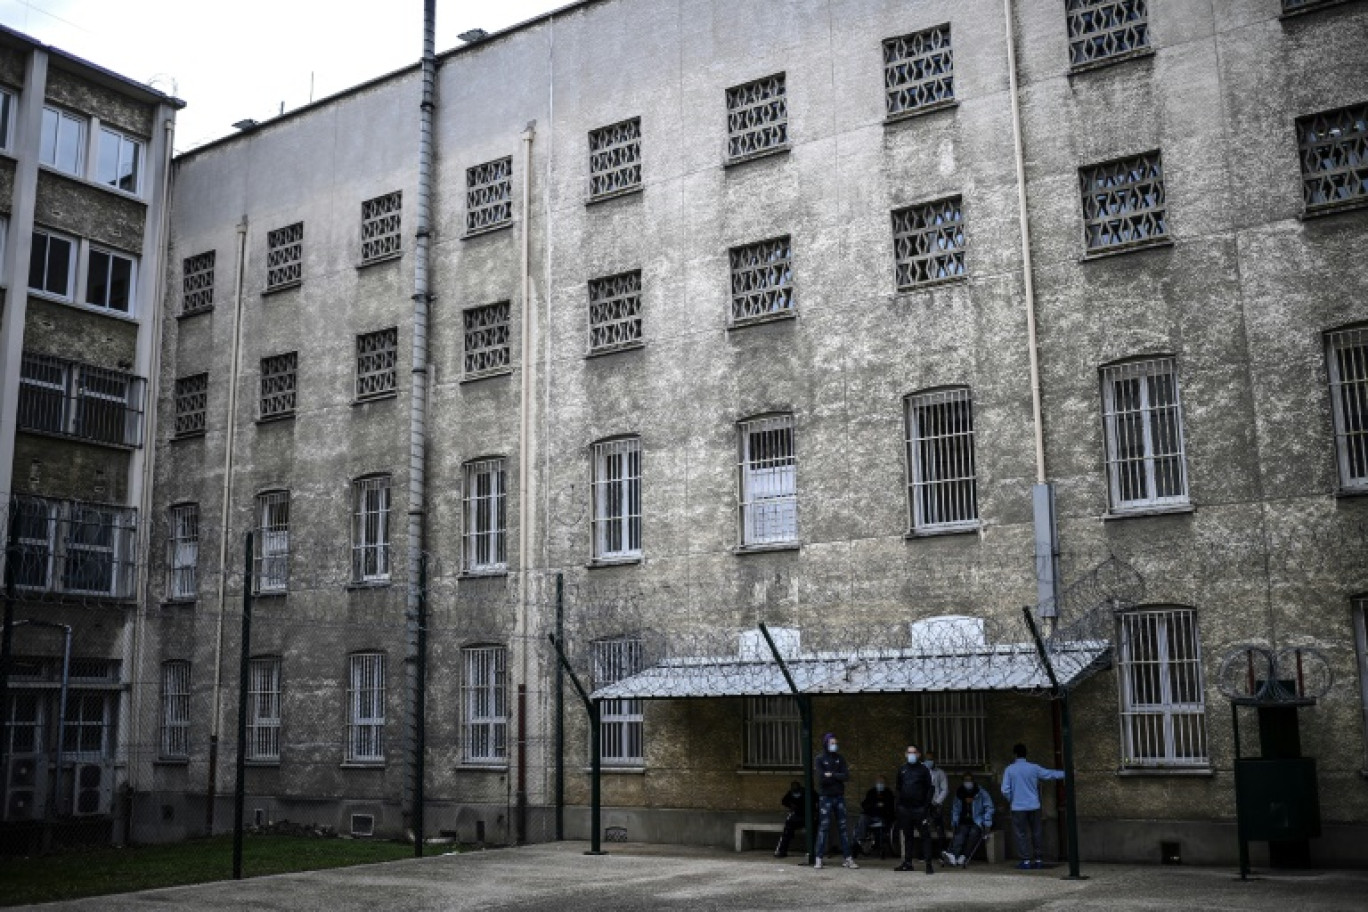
(92, 790)
(21, 789)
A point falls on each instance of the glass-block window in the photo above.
(942, 483)
(119, 163)
(769, 481)
(1163, 701)
(175, 715)
(371, 529)
(285, 256)
(615, 158)
(110, 279)
(1347, 357)
(1334, 157)
(919, 71)
(1103, 30)
(762, 280)
(486, 339)
(182, 552)
(366, 708)
(485, 529)
(380, 224)
(62, 141)
(484, 700)
(773, 733)
(928, 242)
(1143, 420)
(615, 312)
(192, 404)
(617, 499)
(954, 725)
(376, 363)
(197, 282)
(271, 543)
(263, 710)
(489, 195)
(279, 380)
(622, 723)
(1123, 203)
(757, 117)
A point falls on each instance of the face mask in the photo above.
(930, 764)
(795, 793)
(912, 758)
(879, 787)
(969, 786)
(831, 746)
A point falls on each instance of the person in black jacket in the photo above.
(831, 771)
(876, 807)
(915, 791)
(793, 800)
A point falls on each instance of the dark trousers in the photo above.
(914, 819)
(1024, 822)
(833, 813)
(792, 823)
(967, 836)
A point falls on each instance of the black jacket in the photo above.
(794, 803)
(878, 804)
(832, 786)
(915, 787)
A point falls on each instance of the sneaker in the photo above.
(959, 861)
(905, 866)
(849, 863)
(1024, 866)
(949, 859)
(817, 862)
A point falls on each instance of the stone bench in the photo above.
(742, 829)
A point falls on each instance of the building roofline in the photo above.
(100, 74)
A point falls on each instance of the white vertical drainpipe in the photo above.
(527, 357)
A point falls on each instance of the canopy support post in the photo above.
(596, 794)
(805, 720)
(1066, 725)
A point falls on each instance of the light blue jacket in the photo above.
(1021, 783)
(981, 810)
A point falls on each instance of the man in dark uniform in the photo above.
(793, 800)
(915, 790)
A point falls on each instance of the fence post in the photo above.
(560, 712)
(420, 713)
(596, 751)
(805, 722)
(7, 632)
(244, 670)
(1066, 731)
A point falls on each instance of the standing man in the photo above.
(1021, 787)
(831, 772)
(915, 790)
(940, 791)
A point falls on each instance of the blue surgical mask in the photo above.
(969, 786)
(878, 786)
(831, 746)
(911, 757)
(930, 764)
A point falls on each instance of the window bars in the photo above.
(928, 243)
(617, 499)
(942, 481)
(489, 195)
(89, 727)
(1163, 704)
(757, 118)
(1333, 146)
(773, 734)
(271, 543)
(1143, 420)
(486, 339)
(485, 527)
(192, 403)
(621, 722)
(615, 312)
(370, 529)
(954, 725)
(380, 227)
(182, 552)
(263, 710)
(57, 396)
(377, 355)
(285, 256)
(485, 701)
(762, 281)
(769, 481)
(278, 385)
(919, 71)
(175, 730)
(615, 159)
(1123, 203)
(1347, 357)
(366, 708)
(1101, 31)
(197, 282)
(76, 548)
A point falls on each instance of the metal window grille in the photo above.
(617, 498)
(263, 709)
(489, 195)
(1101, 30)
(182, 552)
(370, 529)
(622, 737)
(762, 280)
(485, 700)
(1347, 356)
(175, 733)
(928, 242)
(940, 459)
(1163, 703)
(52, 264)
(192, 404)
(757, 117)
(615, 312)
(919, 71)
(63, 397)
(278, 384)
(1333, 147)
(954, 725)
(380, 226)
(485, 520)
(89, 725)
(285, 256)
(774, 733)
(366, 708)
(110, 280)
(615, 158)
(376, 359)
(1143, 420)
(197, 282)
(36, 521)
(119, 163)
(272, 542)
(1123, 203)
(769, 481)
(73, 547)
(486, 339)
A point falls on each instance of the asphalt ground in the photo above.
(559, 877)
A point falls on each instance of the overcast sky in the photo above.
(242, 58)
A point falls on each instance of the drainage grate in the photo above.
(615, 834)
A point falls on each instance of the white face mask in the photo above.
(911, 757)
(831, 746)
(878, 786)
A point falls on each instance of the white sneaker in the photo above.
(959, 861)
(849, 863)
(817, 862)
(949, 859)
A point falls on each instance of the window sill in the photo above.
(1306, 10)
(1165, 772)
(387, 258)
(1348, 493)
(1122, 249)
(88, 308)
(362, 765)
(261, 764)
(604, 352)
(489, 229)
(475, 767)
(191, 435)
(36, 432)
(271, 593)
(1090, 66)
(616, 194)
(276, 419)
(607, 770)
(180, 602)
(361, 586)
(756, 156)
(277, 289)
(1174, 510)
(1335, 208)
(501, 573)
(789, 314)
(903, 116)
(95, 185)
(173, 762)
(613, 562)
(378, 397)
(486, 375)
(907, 290)
(972, 529)
(768, 770)
(186, 314)
(766, 549)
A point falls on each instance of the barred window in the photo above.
(615, 312)
(617, 499)
(366, 708)
(954, 725)
(773, 733)
(757, 118)
(1106, 30)
(1143, 420)
(278, 385)
(182, 552)
(769, 481)
(76, 547)
(377, 357)
(271, 543)
(615, 159)
(485, 521)
(370, 529)
(622, 735)
(175, 700)
(263, 710)
(489, 195)
(1347, 357)
(486, 339)
(285, 256)
(942, 482)
(110, 280)
(88, 734)
(192, 404)
(57, 396)
(380, 225)
(762, 281)
(919, 71)
(484, 698)
(1123, 203)
(928, 243)
(1334, 157)
(1163, 702)
(197, 282)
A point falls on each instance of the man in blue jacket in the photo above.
(1021, 787)
(831, 772)
(970, 817)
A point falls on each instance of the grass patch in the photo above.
(95, 872)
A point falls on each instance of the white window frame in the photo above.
(1348, 348)
(371, 529)
(122, 143)
(617, 499)
(485, 530)
(773, 733)
(1134, 452)
(366, 708)
(484, 704)
(175, 711)
(1158, 727)
(182, 552)
(80, 718)
(72, 260)
(4, 239)
(954, 725)
(8, 103)
(942, 477)
(54, 121)
(622, 723)
(768, 468)
(272, 542)
(263, 709)
(90, 285)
